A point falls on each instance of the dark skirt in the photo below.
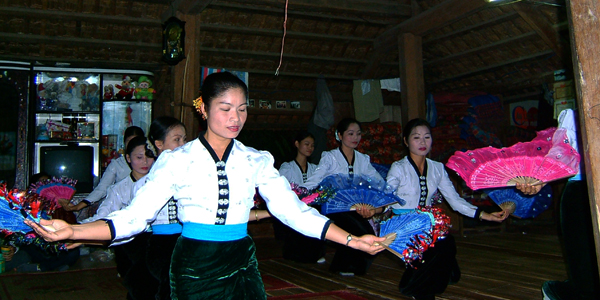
(347, 259)
(432, 274)
(139, 282)
(215, 270)
(158, 261)
(300, 248)
(578, 240)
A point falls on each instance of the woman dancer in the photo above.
(576, 229)
(416, 179)
(131, 264)
(346, 160)
(166, 133)
(115, 172)
(298, 247)
(213, 178)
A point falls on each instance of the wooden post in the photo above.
(186, 77)
(585, 40)
(411, 77)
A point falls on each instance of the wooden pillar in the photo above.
(186, 77)
(584, 27)
(411, 77)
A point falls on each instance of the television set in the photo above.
(79, 161)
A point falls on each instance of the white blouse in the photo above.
(404, 179)
(189, 174)
(292, 172)
(334, 162)
(119, 195)
(115, 172)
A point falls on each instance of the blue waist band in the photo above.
(166, 229)
(401, 211)
(216, 233)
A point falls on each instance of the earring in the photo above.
(203, 116)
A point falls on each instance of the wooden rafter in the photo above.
(440, 15)
(279, 32)
(247, 8)
(492, 67)
(543, 28)
(73, 16)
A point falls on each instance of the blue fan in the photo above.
(12, 219)
(406, 227)
(524, 206)
(352, 191)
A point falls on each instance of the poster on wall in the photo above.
(524, 114)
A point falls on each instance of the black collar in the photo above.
(212, 151)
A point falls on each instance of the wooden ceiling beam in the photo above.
(544, 29)
(72, 16)
(187, 7)
(440, 15)
(295, 14)
(492, 67)
(291, 74)
(362, 8)
(86, 63)
(76, 42)
(464, 30)
(258, 54)
(484, 48)
(278, 32)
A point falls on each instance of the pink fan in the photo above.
(55, 188)
(547, 157)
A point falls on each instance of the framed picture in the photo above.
(250, 102)
(281, 104)
(264, 104)
(295, 105)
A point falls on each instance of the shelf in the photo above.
(63, 112)
(66, 141)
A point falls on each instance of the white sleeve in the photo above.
(370, 171)
(323, 169)
(150, 198)
(113, 202)
(108, 178)
(286, 171)
(456, 202)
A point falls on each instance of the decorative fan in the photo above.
(55, 188)
(350, 192)
(410, 234)
(546, 158)
(519, 204)
(15, 207)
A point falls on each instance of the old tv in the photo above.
(79, 161)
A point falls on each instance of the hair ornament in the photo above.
(151, 147)
(198, 105)
(337, 137)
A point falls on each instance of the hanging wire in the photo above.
(282, 38)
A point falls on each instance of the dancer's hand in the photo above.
(529, 189)
(367, 243)
(52, 230)
(366, 211)
(498, 216)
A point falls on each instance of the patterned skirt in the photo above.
(215, 270)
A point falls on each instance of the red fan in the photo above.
(55, 188)
(547, 157)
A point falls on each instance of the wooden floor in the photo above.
(495, 265)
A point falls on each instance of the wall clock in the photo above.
(173, 41)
